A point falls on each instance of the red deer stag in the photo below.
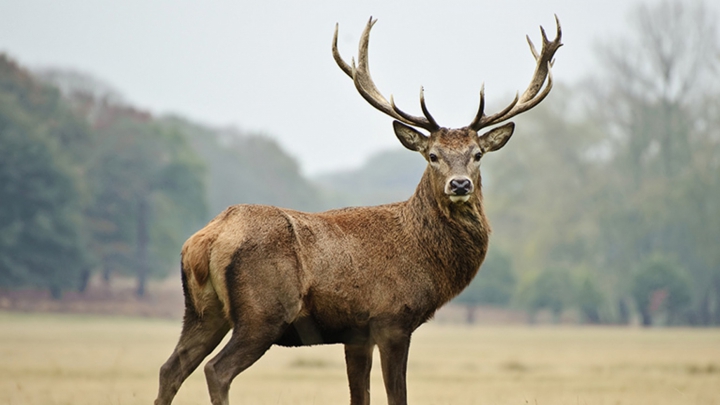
(362, 276)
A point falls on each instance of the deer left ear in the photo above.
(410, 137)
(497, 137)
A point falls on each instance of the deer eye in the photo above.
(478, 156)
(433, 157)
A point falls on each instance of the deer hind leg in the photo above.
(199, 337)
(249, 341)
(358, 359)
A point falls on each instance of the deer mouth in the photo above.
(459, 198)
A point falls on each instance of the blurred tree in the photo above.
(494, 285)
(41, 198)
(388, 176)
(653, 97)
(590, 299)
(545, 180)
(542, 192)
(551, 289)
(145, 182)
(147, 178)
(150, 193)
(247, 169)
(660, 285)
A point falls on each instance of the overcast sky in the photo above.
(266, 66)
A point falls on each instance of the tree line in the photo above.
(608, 197)
(90, 184)
(606, 202)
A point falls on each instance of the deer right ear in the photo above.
(497, 137)
(410, 137)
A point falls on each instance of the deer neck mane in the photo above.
(453, 237)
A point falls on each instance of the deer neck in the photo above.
(452, 237)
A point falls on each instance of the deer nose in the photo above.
(460, 186)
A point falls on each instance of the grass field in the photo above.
(78, 360)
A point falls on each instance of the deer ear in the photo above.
(410, 137)
(497, 137)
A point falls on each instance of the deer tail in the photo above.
(195, 266)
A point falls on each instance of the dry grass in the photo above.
(65, 359)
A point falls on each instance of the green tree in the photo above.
(494, 284)
(658, 286)
(41, 229)
(653, 99)
(590, 299)
(542, 192)
(551, 289)
(149, 178)
(145, 184)
(149, 192)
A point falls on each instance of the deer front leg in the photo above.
(393, 359)
(358, 359)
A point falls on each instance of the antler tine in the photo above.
(481, 119)
(532, 95)
(481, 108)
(367, 89)
(336, 55)
(425, 111)
(532, 47)
(433, 125)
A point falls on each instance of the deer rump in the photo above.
(328, 277)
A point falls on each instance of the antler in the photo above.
(530, 98)
(365, 86)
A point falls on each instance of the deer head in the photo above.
(453, 155)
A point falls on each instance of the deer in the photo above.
(363, 277)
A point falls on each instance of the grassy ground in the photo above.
(78, 360)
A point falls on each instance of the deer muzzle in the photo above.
(459, 189)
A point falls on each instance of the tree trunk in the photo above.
(84, 280)
(645, 317)
(56, 292)
(704, 309)
(716, 311)
(470, 314)
(591, 315)
(623, 312)
(106, 272)
(143, 239)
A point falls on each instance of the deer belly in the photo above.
(307, 331)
